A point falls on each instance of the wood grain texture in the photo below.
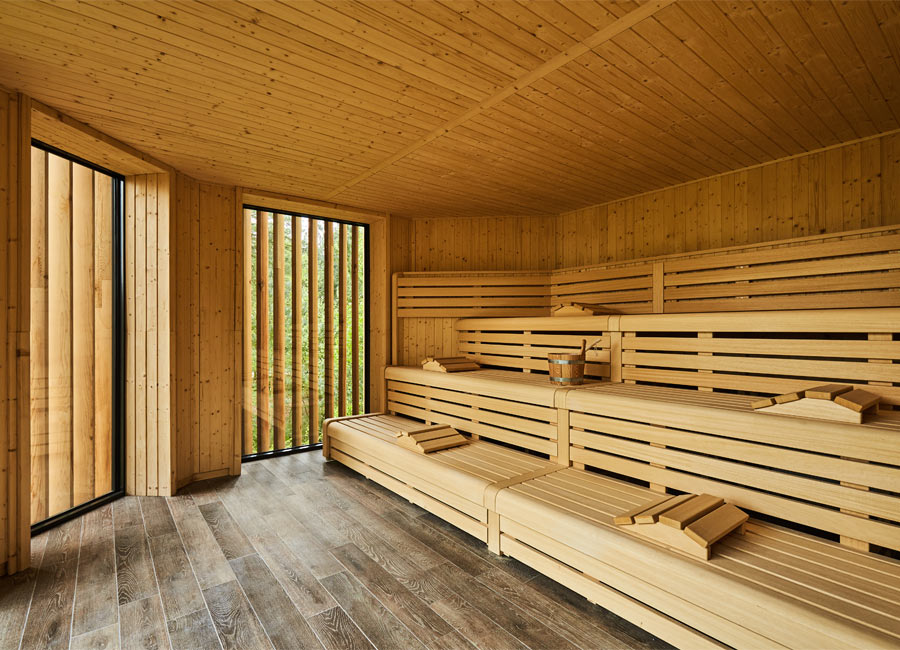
(233, 617)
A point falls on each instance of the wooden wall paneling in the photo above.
(140, 354)
(82, 277)
(40, 426)
(328, 288)
(151, 447)
(193, 187)
(59, 254)
(342, 319)
(103, 335)
(296, 330)
(380, 255)
(165, 465)
(262, 332)
(313, 328)
(278, 396)
(841, 188)
(184, 256)
(15, 314)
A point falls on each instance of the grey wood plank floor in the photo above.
(296, 553)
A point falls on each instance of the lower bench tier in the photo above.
(771, 588)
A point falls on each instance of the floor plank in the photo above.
(157, 518)
(142, 624)
(338, 632)
(279, 618)
(415, 613)
(207, 559)
(105, 638)
(235, 621)
(134, 569)
(96, 603)
(381, 627)
(177, 584)
(230, 537)
(192, 631)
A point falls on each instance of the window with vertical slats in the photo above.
(305, 339)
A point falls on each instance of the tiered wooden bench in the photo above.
(613, 446)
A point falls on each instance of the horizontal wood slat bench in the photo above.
(455, 484)
(669, 421)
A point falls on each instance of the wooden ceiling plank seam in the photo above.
(146, 71)
(561, 18)
(628, 121)
(383, 24)
(687, 127)
(787, 21)
(859, 22)
(695, 67)
(887, 16)
(504, 55)
(751, 22)
(582, 173)
(838, 45)
(177, 36)
(110, 113)
(376, 78)
(613, 140)
(263, 147)
(312, 45)
(720, 59)
(669, 81)
(591, 11)
(543, 33)
(337, 51)
(621, 25)
(343, 29)
(573, 178)
(718, 25)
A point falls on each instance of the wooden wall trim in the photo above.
(303, 205)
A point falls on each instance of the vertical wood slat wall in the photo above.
(149, 369)
(71, 375)
(15, 313)
(337, 385)
(209, 258)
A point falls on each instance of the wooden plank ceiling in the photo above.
(460, 107)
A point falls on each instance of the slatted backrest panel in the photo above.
(863, 272)
(462, 295)
(523, 343)
(626, 289)
(839, 478)
(510, 408)
(765, 352)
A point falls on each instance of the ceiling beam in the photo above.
(596, 39)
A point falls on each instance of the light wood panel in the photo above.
(15, 316)
(150, 238)
(848, 187)
(504, 108)
(208, 278)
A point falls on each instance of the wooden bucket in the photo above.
(566, 368)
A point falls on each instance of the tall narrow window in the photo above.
(76, 271)
(305, 329)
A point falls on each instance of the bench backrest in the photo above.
(757, 353)
(835, 477)
(523, 343)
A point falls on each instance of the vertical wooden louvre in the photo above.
(305, 317)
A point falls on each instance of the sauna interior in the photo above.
(546, 324)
